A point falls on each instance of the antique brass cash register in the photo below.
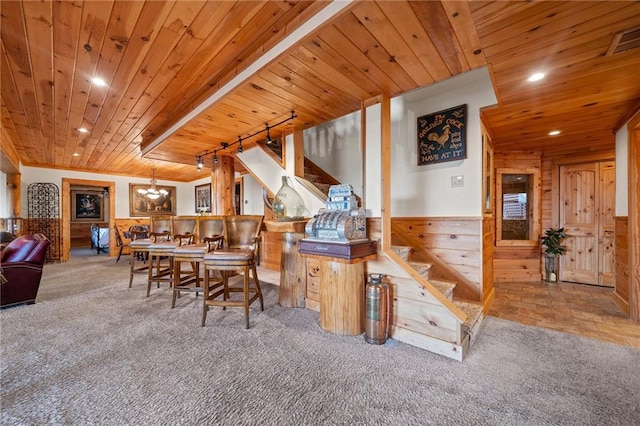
(339, 229)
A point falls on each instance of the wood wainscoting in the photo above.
(456, 241)
(623, 278)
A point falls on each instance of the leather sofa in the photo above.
(22, 263)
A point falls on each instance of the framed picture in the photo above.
(487, 174)
(87, 206)
(141, 205)
(203, 198)
(442, 136)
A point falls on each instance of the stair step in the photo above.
(324, 187)
(445, 287)
(422, 268)
(402, 251)
(311, 177)
(474, 318)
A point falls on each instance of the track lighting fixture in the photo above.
(225, 145)
(268, 139)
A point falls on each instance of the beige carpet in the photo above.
(92, 351)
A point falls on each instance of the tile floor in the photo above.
(585, 310)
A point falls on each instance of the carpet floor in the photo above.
(92, 351)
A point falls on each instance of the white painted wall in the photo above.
(4, 197)
(426, 190)
(253, 203)
(622, 172)
(335, 147)
(270, 173)
(185, 193)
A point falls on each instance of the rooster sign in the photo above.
(442, 136)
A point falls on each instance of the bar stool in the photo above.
(239, 254)
(138, 249)
(161, 263)
(161, 257)
(194, 254)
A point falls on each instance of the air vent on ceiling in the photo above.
(625, 40)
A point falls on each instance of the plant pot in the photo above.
(551, 267)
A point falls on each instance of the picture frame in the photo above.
(203, 198)
(442, 136)
(87, 206)
(488, 196)
(142, 206)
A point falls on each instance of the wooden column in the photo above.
(13, 193)
(223, 186)
(342, 296)
(293, 271)
(634, 219)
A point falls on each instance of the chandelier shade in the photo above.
(152, 192)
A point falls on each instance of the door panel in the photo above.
(587, 192)
(579, 216)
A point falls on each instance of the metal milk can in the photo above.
(377, 311)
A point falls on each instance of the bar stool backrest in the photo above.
(243, 231)
(183, 226)
(161, 224)
(208, 226)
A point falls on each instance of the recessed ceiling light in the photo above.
(536, 76)
(554, 133)
(83, 130)
(98, 81)
(75, 154)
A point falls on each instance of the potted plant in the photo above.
(553, 250)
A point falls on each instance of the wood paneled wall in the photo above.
(81, 233)
(621, 292)
(123, 225)
(455, 240)
(488, 238)
(513, 263)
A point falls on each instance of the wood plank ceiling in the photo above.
(162, 59)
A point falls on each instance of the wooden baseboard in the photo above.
(622, 304)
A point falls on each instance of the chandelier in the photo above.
(152, 192)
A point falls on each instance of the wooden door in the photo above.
(587, 194)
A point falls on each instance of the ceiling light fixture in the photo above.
(98, 81)
(536, 77)
(152, 192)
(75, 154)
(225, 145)
(83, 130)
(554, 133)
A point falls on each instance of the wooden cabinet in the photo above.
(313, 284)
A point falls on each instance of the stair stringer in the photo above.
(421, 315)
(440, 269)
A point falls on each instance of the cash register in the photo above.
(339, 229)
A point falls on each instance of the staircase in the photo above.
(318, 177)
(467, 330)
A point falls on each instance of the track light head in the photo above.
(200, 163)
(268, 139)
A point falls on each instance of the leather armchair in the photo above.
(22, 263)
